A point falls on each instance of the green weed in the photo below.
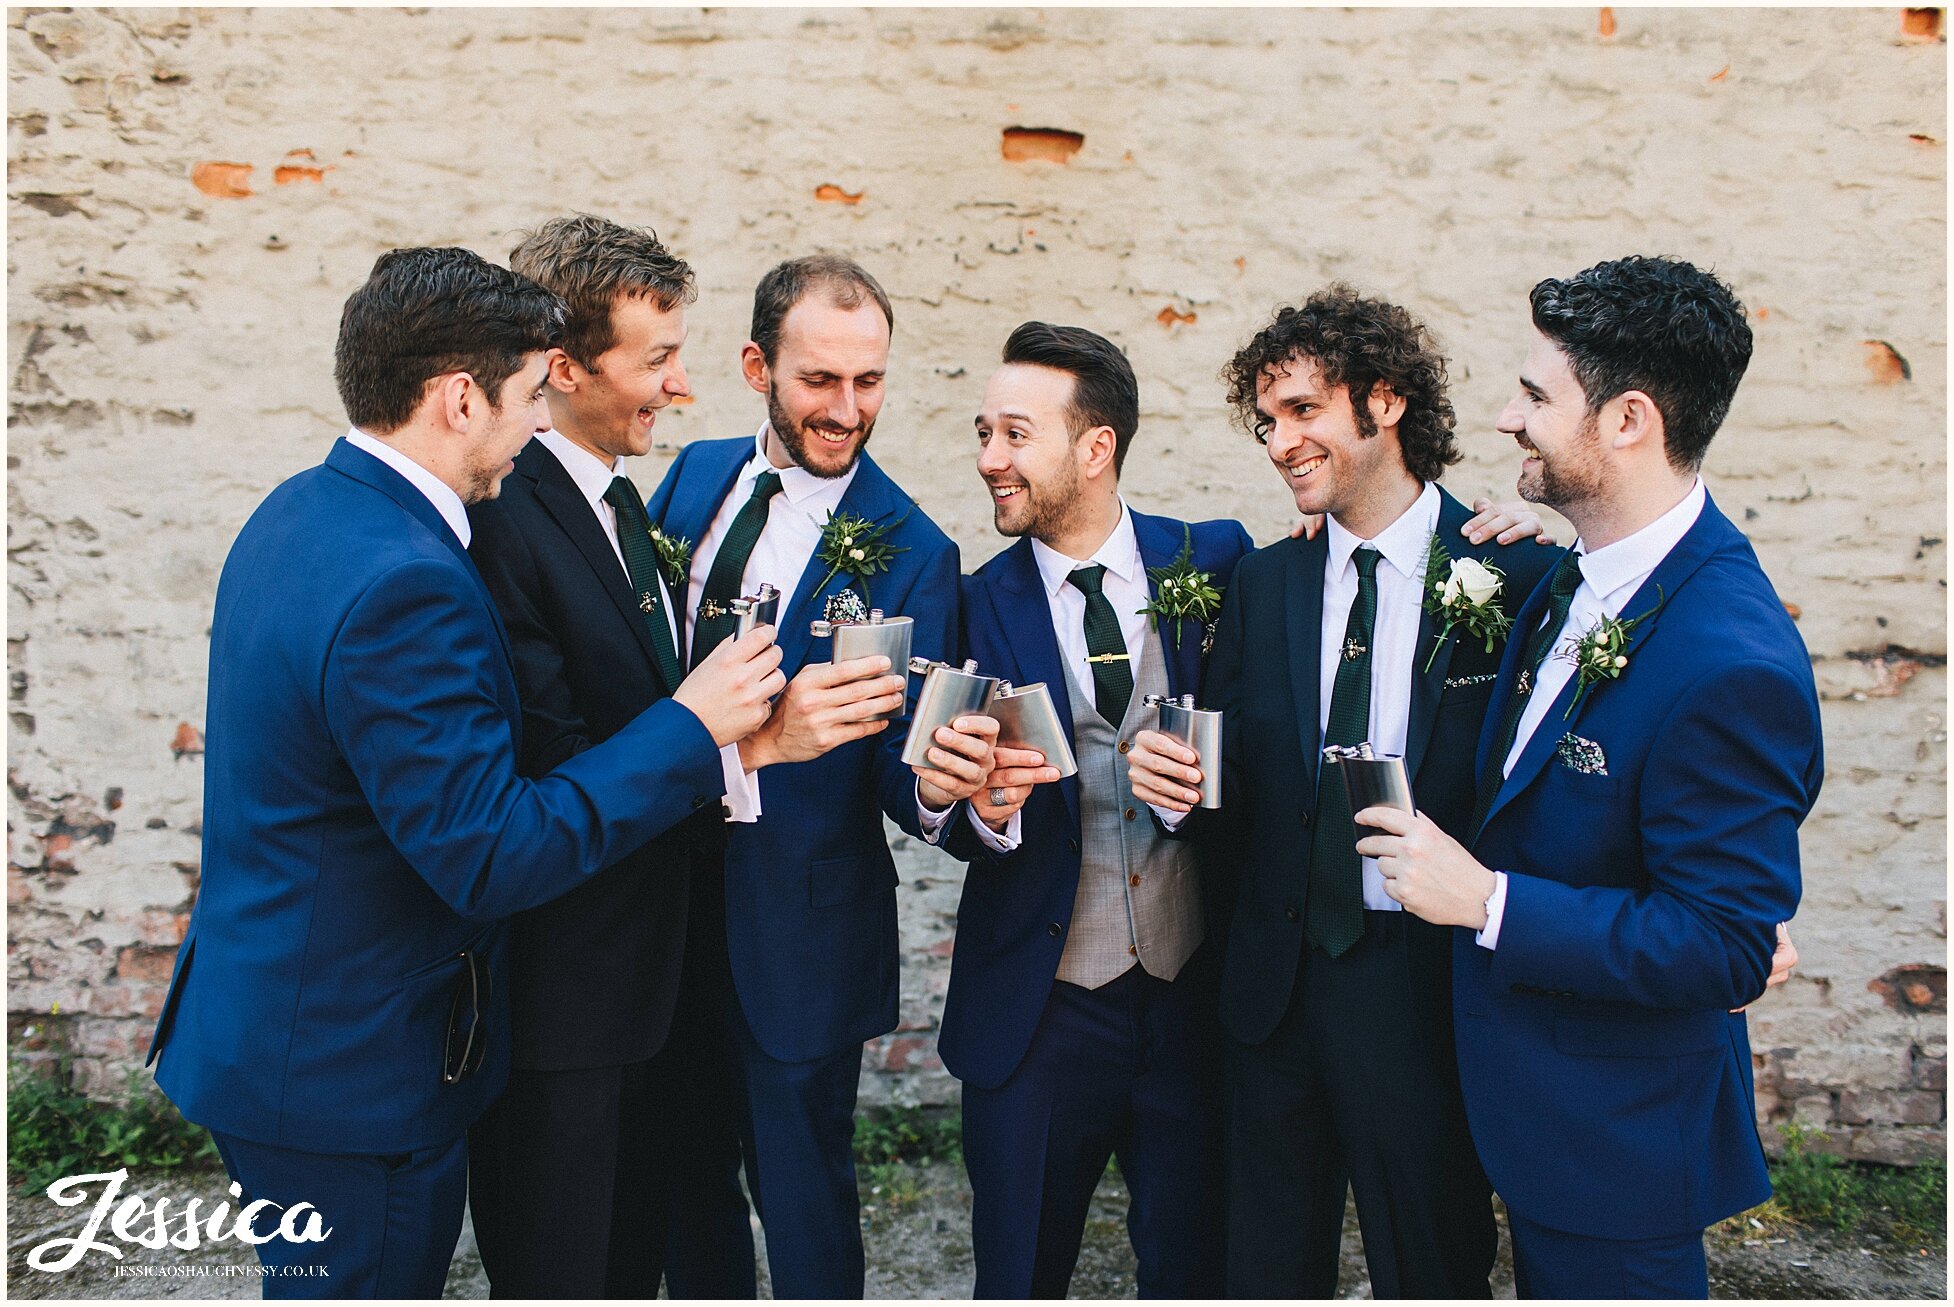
(55, 1130)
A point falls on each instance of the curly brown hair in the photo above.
(1355, 342)
(593, 264)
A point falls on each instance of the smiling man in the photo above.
(810, 903)
(1652, 746)
(1339, 1068)
(339, 1013)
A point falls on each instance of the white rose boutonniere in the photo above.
(1463, 592)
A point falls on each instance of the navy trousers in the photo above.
(1128, 1070)
(1549, 1263)
(799, 1135)
(393, 1220)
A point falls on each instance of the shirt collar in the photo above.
(1119, 553)
(1404, 544)
(437, 492)
(584, 467)
(802, 488)
(1633, 557)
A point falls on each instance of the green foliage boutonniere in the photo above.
(1602, 654)
(1463, 592)
(852, 544)
(674, 556)
(1180, 591)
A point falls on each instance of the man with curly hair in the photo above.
(1339, 1071)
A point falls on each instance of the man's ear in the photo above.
(455, 398)
(565, 373)
(753, 366)
(1387, 406)
(1631, 420)
(1096, 449)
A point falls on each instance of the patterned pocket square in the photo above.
(1584, 756)
(1460, 682)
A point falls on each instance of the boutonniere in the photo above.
(1602, 654)
(1181, 591)
(674, 556)
(1463, 592)
(851, 543)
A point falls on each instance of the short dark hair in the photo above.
(1355, 342)
(593, 264)
(424, 313)
(1104, 393)
(845, 282)
(1660, 326)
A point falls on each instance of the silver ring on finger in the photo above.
(998, 797)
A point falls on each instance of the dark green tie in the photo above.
(1560, 590)
(728, 566)
(641, 564)
(1112, 678)
(1336, 872)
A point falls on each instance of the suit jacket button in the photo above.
(698, 801)
(1130, 814)
(1124, 745)
(1054, 929)
(1292, 914)
(1304, 814)
(1072, 845)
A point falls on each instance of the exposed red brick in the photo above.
(1607, 21)
(942, 947)
(1168, 316)
(829, 193)
(18, 890)
(1919, 987)
(56, 851)
(144, 962)
(1921, 138)
(1794, 610)
(161, 927)
(1720, 73)
(188, 739)
(1241, 263)
(1760, 314)
(1054, 144)
(1886, 364)
(1921, 22)
(287, 173)
(226, 181)
(300, 153)
(898, 1055)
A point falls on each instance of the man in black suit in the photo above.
(613, 1156)
(1339, 1071)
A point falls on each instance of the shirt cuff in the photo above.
(933, 823)
(1488, 936)
(1007, 842)
(1170, 819)
(742, 790)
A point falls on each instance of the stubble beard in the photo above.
(801, 445)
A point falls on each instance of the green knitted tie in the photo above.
(1560, 589)
(641, 563)
(1112, 677)
(728, 566)
(1336, 872)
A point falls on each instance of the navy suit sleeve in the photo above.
(410, 700)
(1730, 778)
(933, 606)
(552, 728)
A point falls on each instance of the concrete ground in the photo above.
(916, 1223)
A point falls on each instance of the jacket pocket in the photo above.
(833, 881)
(1695, 1032)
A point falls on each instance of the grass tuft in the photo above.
(54, 1130)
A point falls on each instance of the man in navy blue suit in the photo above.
(1080, 1015)
(612, 1159)
(1652, 746)
(339, 1013)
(1339, 1069)
(810, 887)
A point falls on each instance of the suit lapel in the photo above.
(706, 479)
(871, 495)
(1428, 686)
(1024, 614)
(1303, 599)
(564, 502)
(1704, 537)
(1160, 540)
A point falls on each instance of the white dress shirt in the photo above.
(789, 537)
(1125, 587)
(1610, 576)
(438, 492)
(1405, 544)
(593, 478)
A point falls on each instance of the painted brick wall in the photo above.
(192, 193)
